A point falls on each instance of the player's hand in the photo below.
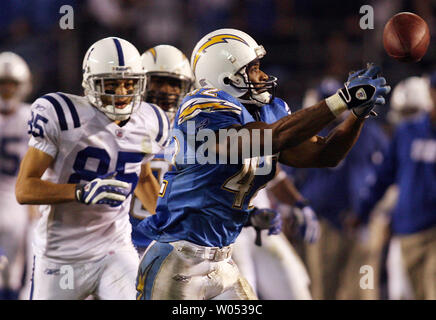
(103, 190)
(363, 90)
(381, 90)
(307, 221)
(270, 219)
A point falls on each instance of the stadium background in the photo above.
(305, 40)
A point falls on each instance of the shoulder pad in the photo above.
(195, 105)
(65, 109)
(161, 124)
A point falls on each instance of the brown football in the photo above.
(406, 37)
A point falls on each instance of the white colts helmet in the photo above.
(410, 97)
(13, 67)
(219, 60)
(167, 61)
(112, 58)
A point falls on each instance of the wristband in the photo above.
(336, 104)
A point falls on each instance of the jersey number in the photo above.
(242, 182)
(34, 128)
(10, 162)
(103, 159)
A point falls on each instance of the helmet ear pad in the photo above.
(232, 83)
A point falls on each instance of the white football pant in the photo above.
(109, 278)
(185, 271)
(13, 242)
(399, 286)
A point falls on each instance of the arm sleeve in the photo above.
(43, 127)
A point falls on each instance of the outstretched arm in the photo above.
(319, 152)
(362, 91)
(284, 133)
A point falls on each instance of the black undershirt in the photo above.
(253, 110)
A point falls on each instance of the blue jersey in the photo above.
(410, 162)
(208, 204)
(334, 191)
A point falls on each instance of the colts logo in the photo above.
(220, 38)
(153, 53)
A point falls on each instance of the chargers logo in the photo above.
(195, 108)
(152, 51)
(219, 38)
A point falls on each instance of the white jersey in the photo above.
(13, 146)
(86, 144)
(13, 216)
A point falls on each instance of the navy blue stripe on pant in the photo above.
(33, 279)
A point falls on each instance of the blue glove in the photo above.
(363, 90)
(103, 190)
(270, 219)
(307, 221)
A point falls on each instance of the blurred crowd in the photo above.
(311, 46)
(305, 40)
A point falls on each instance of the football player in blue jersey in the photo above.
(409, 99)
(203, 204)
(410, 163)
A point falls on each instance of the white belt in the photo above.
(210, 253)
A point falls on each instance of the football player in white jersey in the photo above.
(15, 84)
(85, 155)
(169, 79)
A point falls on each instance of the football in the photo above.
(406, 37)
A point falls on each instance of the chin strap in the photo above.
(253, 102)
(256, 102)
(258, 99)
